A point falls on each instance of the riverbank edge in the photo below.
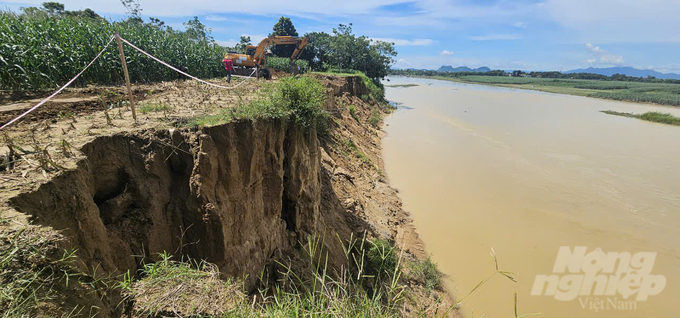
(543, 89)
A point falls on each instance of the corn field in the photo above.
(283, 64)
(40, 51)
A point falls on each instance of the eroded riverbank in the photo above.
(527, 172)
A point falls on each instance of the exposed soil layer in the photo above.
(241, 195)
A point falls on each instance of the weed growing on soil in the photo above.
(656, 117)
(375, 118)
(33, 271)
(188, 288)
(301, 97)
(349, 143)
(353, 112)
(368, 286)
(425, 272)
(154, 107)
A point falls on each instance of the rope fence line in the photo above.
(97, 57)
(60, 89)
(178, 71)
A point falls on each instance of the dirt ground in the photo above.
(47, 142)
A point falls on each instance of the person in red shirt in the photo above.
(229, 67)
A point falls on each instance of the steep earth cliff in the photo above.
(241, 195)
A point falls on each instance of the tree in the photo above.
(86, 13)
(53, 7)
(197, 31)
(132, 8)
(156, 23)
(241, 47)
(284, 27)
(317, 51)
(349, 52)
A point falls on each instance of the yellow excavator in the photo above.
(255, 56)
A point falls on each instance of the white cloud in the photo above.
(495, 37)
(603, 56)
(402, 42)
(521, 25)
(215, 18)
(614, 21)
(611, 59)
(593, 48)
(445, 52)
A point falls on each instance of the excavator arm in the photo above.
(259, 55)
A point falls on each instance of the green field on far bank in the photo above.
(639, 92)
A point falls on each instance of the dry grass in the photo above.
(181, 289)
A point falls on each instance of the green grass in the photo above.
(153, 107)
(402, 85)
(425, 272)
(36, 275)
(375, 118)
(656, 117)
(639, 92)
(369, 286)
(301, 98)
(353, 112)
(349, 144)
(335, 74)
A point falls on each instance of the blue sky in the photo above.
(522, 34)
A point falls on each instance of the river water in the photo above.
(525, 173)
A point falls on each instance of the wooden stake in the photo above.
(127, 77)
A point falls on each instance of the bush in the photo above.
(375, 88)
(426, 273)
(381, 259)
(301, 97)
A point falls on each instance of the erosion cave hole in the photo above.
(288, 213)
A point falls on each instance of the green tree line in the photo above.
(552, 74)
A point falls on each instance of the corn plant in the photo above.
(40, 51)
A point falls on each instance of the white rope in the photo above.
(178, 71)
(59, 90)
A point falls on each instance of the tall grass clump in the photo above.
(366, 286)
(283, 64)
(42, 51)
(425, 272)
(190, 287)
(37, 276)
(300, 97)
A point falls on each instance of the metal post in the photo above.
(127, 77)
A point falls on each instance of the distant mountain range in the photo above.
(625, 70)
(449, 68)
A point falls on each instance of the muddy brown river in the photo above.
(526, 173)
